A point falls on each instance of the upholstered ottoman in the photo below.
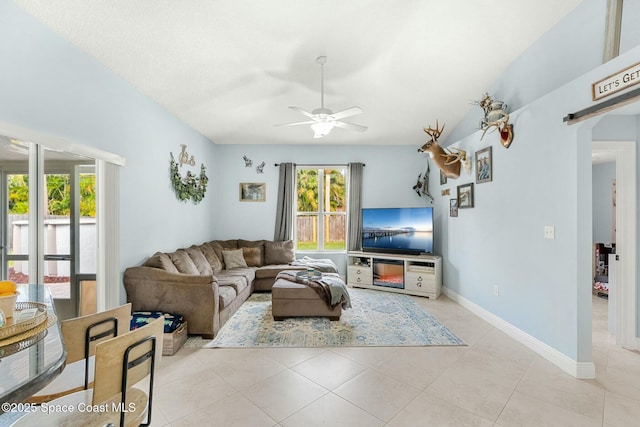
(291, 299)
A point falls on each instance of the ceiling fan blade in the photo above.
(350, 126)
(296, 123)
(301, 111)
(347, 113)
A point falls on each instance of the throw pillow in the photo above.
(278, 252)
(220, 245)
(253, 256)
(234, 259)
(253, 244)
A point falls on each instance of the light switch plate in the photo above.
(549, 232)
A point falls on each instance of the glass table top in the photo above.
(25, 371)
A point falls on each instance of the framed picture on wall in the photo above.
(253, 192)
(465, 196)
(484, 165)
(453, 207)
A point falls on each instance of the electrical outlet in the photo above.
(496, 290)
(549, 232)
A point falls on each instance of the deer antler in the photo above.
(498, 124)
(434, 133)
(458, 156)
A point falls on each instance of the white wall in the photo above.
(603, 176)
(50, 86)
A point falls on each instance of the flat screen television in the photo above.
(397, 230)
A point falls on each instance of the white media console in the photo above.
(408, 274)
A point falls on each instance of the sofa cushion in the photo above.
(278, 252)
(227, 295)
(183, 263)
(162, 261)
(200, 261)
(234, 259)
(255, 262)
(253, 256)
(271, 271)
(212, 258)
(239, 278)
(226, 244)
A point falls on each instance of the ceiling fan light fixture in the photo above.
(324, 120)
(321, 129)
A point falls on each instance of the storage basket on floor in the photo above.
(175, 328)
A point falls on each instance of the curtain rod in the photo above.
(316, 164)
(603, 107)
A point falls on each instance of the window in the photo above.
(321, 215)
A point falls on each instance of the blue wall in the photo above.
(603, 176)
(544, 178)
(50, 86)
(388, 178)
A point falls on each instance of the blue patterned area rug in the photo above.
(377, 318)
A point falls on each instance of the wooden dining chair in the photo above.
(124, 369)
(80, 336)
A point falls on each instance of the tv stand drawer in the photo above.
(420, 283)
(361, 275)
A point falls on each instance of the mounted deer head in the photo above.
(448, 160)
(495, 115)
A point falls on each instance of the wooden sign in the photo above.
(616, 82)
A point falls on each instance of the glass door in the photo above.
(14, 210)
(69, 222)
(66, 245)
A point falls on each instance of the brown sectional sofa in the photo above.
(207, 283)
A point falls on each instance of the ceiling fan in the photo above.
(324, 120)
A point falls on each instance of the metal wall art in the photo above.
(190, 186)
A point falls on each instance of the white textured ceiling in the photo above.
(230, 68)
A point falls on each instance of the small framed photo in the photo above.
(484, 165)
(465, 196)
(253, 192)
(443, 178)
(453, 207)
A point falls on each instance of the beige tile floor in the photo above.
(494, 381)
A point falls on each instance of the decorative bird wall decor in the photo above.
(422, 185)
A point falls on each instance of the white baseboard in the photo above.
(581, 370)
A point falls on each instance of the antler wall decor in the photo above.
(448, 160)
(495, 115)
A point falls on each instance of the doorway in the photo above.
(622, 302)
(54, 192)
(107, 171)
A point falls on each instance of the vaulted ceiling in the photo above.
(231, 68)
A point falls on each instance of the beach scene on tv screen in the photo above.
(409, 229)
